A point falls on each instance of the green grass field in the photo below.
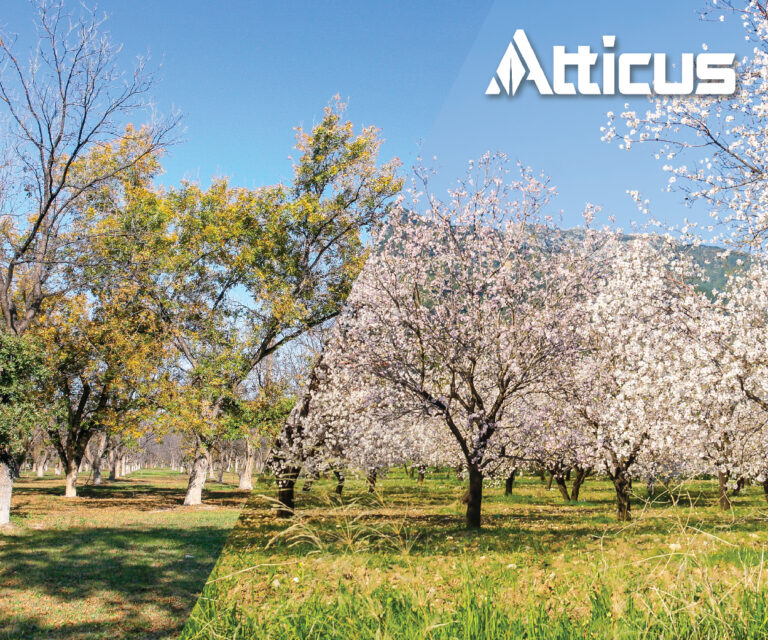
(125, 560)
(399, 564)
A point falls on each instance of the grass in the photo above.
(124, 560)
(399, 564)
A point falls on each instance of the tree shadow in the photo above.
(533, 519)
(156, 574)
(136, 497)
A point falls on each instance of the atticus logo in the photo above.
(705, 74)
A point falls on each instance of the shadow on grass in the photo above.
(155, 573)
(125, 495)
(535, 521)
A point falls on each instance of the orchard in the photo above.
(385, 368)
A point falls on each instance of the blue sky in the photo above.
(245, 73)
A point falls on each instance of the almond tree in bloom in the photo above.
(465, 307)
(716, 424)
(631, 335)
(713, 147)
(347, 419)
(736, 339)
(550, 438)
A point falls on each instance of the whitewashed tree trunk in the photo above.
(70, 487)
(197, 480)
(98, 457)
(6, 489)
(246, 473)
(39, 463)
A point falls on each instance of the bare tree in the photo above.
(67, 100)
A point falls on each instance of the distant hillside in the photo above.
(715, 262)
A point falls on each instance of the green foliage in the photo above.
(22, 372)
(717, 265)
(262, 417)
(235, 274)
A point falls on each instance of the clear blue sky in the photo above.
(245, 73)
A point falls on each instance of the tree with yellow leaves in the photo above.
(63, 105)
(244, 273)
(105, 354)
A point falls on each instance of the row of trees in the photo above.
(480, 334)
(477, 333)
(129, 309)
(116, 457)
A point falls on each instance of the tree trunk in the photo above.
(39, 464)
(549, 482)
(220, 474)
(724, 499)
(474, 498)
(70, 483)
(765, 489)
(246, 473)
(339, 482)
(578, 480)
(420, 477)
(197, 480)
(509, 483)
(286, 483)
(6, 489)
(623, 486)
(112, 458)
(562, 487)
(371, 478)
(98, 457)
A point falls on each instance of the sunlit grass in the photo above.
(125, 560)
(400, 564)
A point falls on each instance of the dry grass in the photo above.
(124, 560)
